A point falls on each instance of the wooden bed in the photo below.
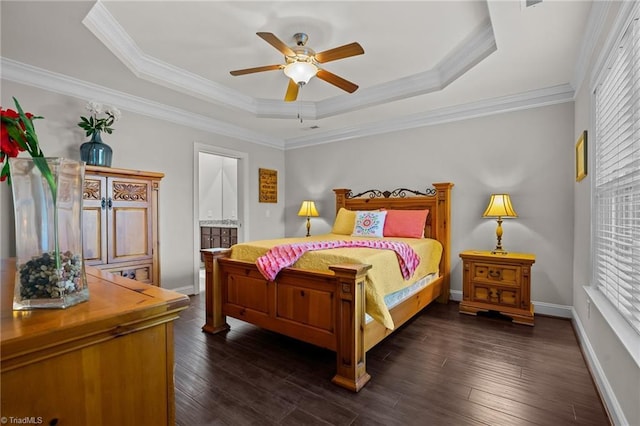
(327, 308)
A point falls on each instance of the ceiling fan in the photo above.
(301, 63)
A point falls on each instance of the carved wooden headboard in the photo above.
(436, 199)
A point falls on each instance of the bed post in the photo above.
(215, 322)
(341, 196)
(443, 231)
(351, 372)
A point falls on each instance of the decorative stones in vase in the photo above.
(47, 200)
(95, 152)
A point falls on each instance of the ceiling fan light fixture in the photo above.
(300, 72)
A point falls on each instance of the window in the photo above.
(616, 196)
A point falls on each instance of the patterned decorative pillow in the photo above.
(369, 224)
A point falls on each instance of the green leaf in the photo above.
(30, 136)
(5, 172)
(16, 134)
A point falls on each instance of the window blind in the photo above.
(616, 256)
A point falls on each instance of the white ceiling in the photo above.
(424, 61)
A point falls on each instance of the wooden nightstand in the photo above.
(497, 282)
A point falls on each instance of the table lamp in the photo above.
(499, 207)
(308, 209)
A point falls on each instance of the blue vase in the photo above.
(95, 152)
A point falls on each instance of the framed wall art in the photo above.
(581, 157)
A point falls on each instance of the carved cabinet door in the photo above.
(129, 218)
(94, 220)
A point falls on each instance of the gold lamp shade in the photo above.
(308, 209)
(499, 207)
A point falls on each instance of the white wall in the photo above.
(218, 187)
(524, 153)
(210, 188)
(616, 372)
(144, 143)
(229, 188)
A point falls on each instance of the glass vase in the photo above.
(47, 201)
(95, 152)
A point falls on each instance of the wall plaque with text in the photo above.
(268, 186)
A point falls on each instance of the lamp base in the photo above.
(498, 251)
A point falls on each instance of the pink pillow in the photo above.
(405, 223)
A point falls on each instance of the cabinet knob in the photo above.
(494, 273)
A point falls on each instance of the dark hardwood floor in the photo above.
(442, 368)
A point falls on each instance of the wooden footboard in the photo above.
(325, 309)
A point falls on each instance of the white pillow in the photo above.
(369, 224)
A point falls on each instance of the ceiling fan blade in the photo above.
(292, 91)
(277, 43)
(340, 82)
(256, 69)
(345, 51)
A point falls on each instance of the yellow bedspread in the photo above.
(383, 278)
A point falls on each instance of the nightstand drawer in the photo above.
(497, 295)
(496, 274)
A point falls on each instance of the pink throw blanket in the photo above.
(286, 255)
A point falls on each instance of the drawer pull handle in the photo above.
(494, 273)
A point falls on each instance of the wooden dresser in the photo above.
(107, 361)
(120, 222)
(497, 282)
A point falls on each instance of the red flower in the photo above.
(9, 113)
(16, 134)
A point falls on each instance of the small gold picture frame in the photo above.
(581, 157)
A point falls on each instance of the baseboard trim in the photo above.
(616, 414)
(553, 310)
(455, 295)
(187, 289)
(542, 308)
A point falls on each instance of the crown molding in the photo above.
(109, 31)
(65, 85)
(473, 49)
(532, 99)
(59, 83)
(476, 46)
(595, 25)
(268, 108)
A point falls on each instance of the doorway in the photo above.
(220, 195)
